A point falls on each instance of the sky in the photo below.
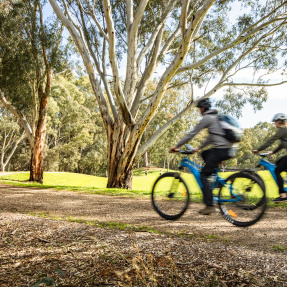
(276, 103)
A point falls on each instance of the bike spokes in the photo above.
(170, 196)
(242, 200)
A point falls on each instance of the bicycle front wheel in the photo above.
(170, 196)
(242, 200)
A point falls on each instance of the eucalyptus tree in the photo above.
(10, 137)
(30, 54)
(189, 41)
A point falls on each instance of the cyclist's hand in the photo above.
(197, 149)
(255, 151)
(173, 149)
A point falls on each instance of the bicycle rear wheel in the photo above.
(242, 200)
(170, 196)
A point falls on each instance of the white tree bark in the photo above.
(5, 148)
(19, 116)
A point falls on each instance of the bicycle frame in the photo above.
(195, 170)
(271, 168)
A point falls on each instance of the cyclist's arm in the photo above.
(200, 126)
(269, 142)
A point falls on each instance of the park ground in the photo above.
(72, 238)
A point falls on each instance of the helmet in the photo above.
(204, 103)
(279, 117)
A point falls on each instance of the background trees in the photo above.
(10, 137)
(30, 54)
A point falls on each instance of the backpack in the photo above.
(230, 127)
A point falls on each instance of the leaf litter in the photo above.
(37, 251)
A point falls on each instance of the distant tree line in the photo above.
(76, 138)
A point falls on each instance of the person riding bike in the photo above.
(280, 121)
(222, 149)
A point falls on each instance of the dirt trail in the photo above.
(270, 231)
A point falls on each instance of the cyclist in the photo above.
(280, 120)
(222, 149)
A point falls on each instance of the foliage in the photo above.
(76, 139)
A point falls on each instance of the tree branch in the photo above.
(92, 14)
(81, 45)
(147, 73)
(19, 116)
(147, 47)
(255, 85)
(114, 64)
(235, 42)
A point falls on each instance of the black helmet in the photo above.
(204, 103)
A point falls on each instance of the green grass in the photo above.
(86, 183)
(142, 184)
(279, 248)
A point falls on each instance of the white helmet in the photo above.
(279, 117)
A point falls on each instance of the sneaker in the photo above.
(207, 210)
(280, 199)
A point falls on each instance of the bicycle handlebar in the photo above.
(186, 151)
(265, 154)
(190, 150)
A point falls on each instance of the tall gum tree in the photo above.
(29, 51)
(187, 41)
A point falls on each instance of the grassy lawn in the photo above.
(142, 184)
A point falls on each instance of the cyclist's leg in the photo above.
(281, 166)
(212, 158)
(209, 159)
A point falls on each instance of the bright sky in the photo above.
(276, 103)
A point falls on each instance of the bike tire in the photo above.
(250, 209)
(170, 196)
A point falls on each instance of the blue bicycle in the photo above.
(269, 166)
(241, 196)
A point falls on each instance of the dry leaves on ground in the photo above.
(63, 253)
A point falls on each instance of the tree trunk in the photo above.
(173, 162)
(122, 148)
(145, 159)
(37, 154)
(2, 161)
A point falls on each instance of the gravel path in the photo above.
(269, 232)
(209, 251)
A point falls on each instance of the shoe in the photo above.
(207, 210)
(280, 199)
